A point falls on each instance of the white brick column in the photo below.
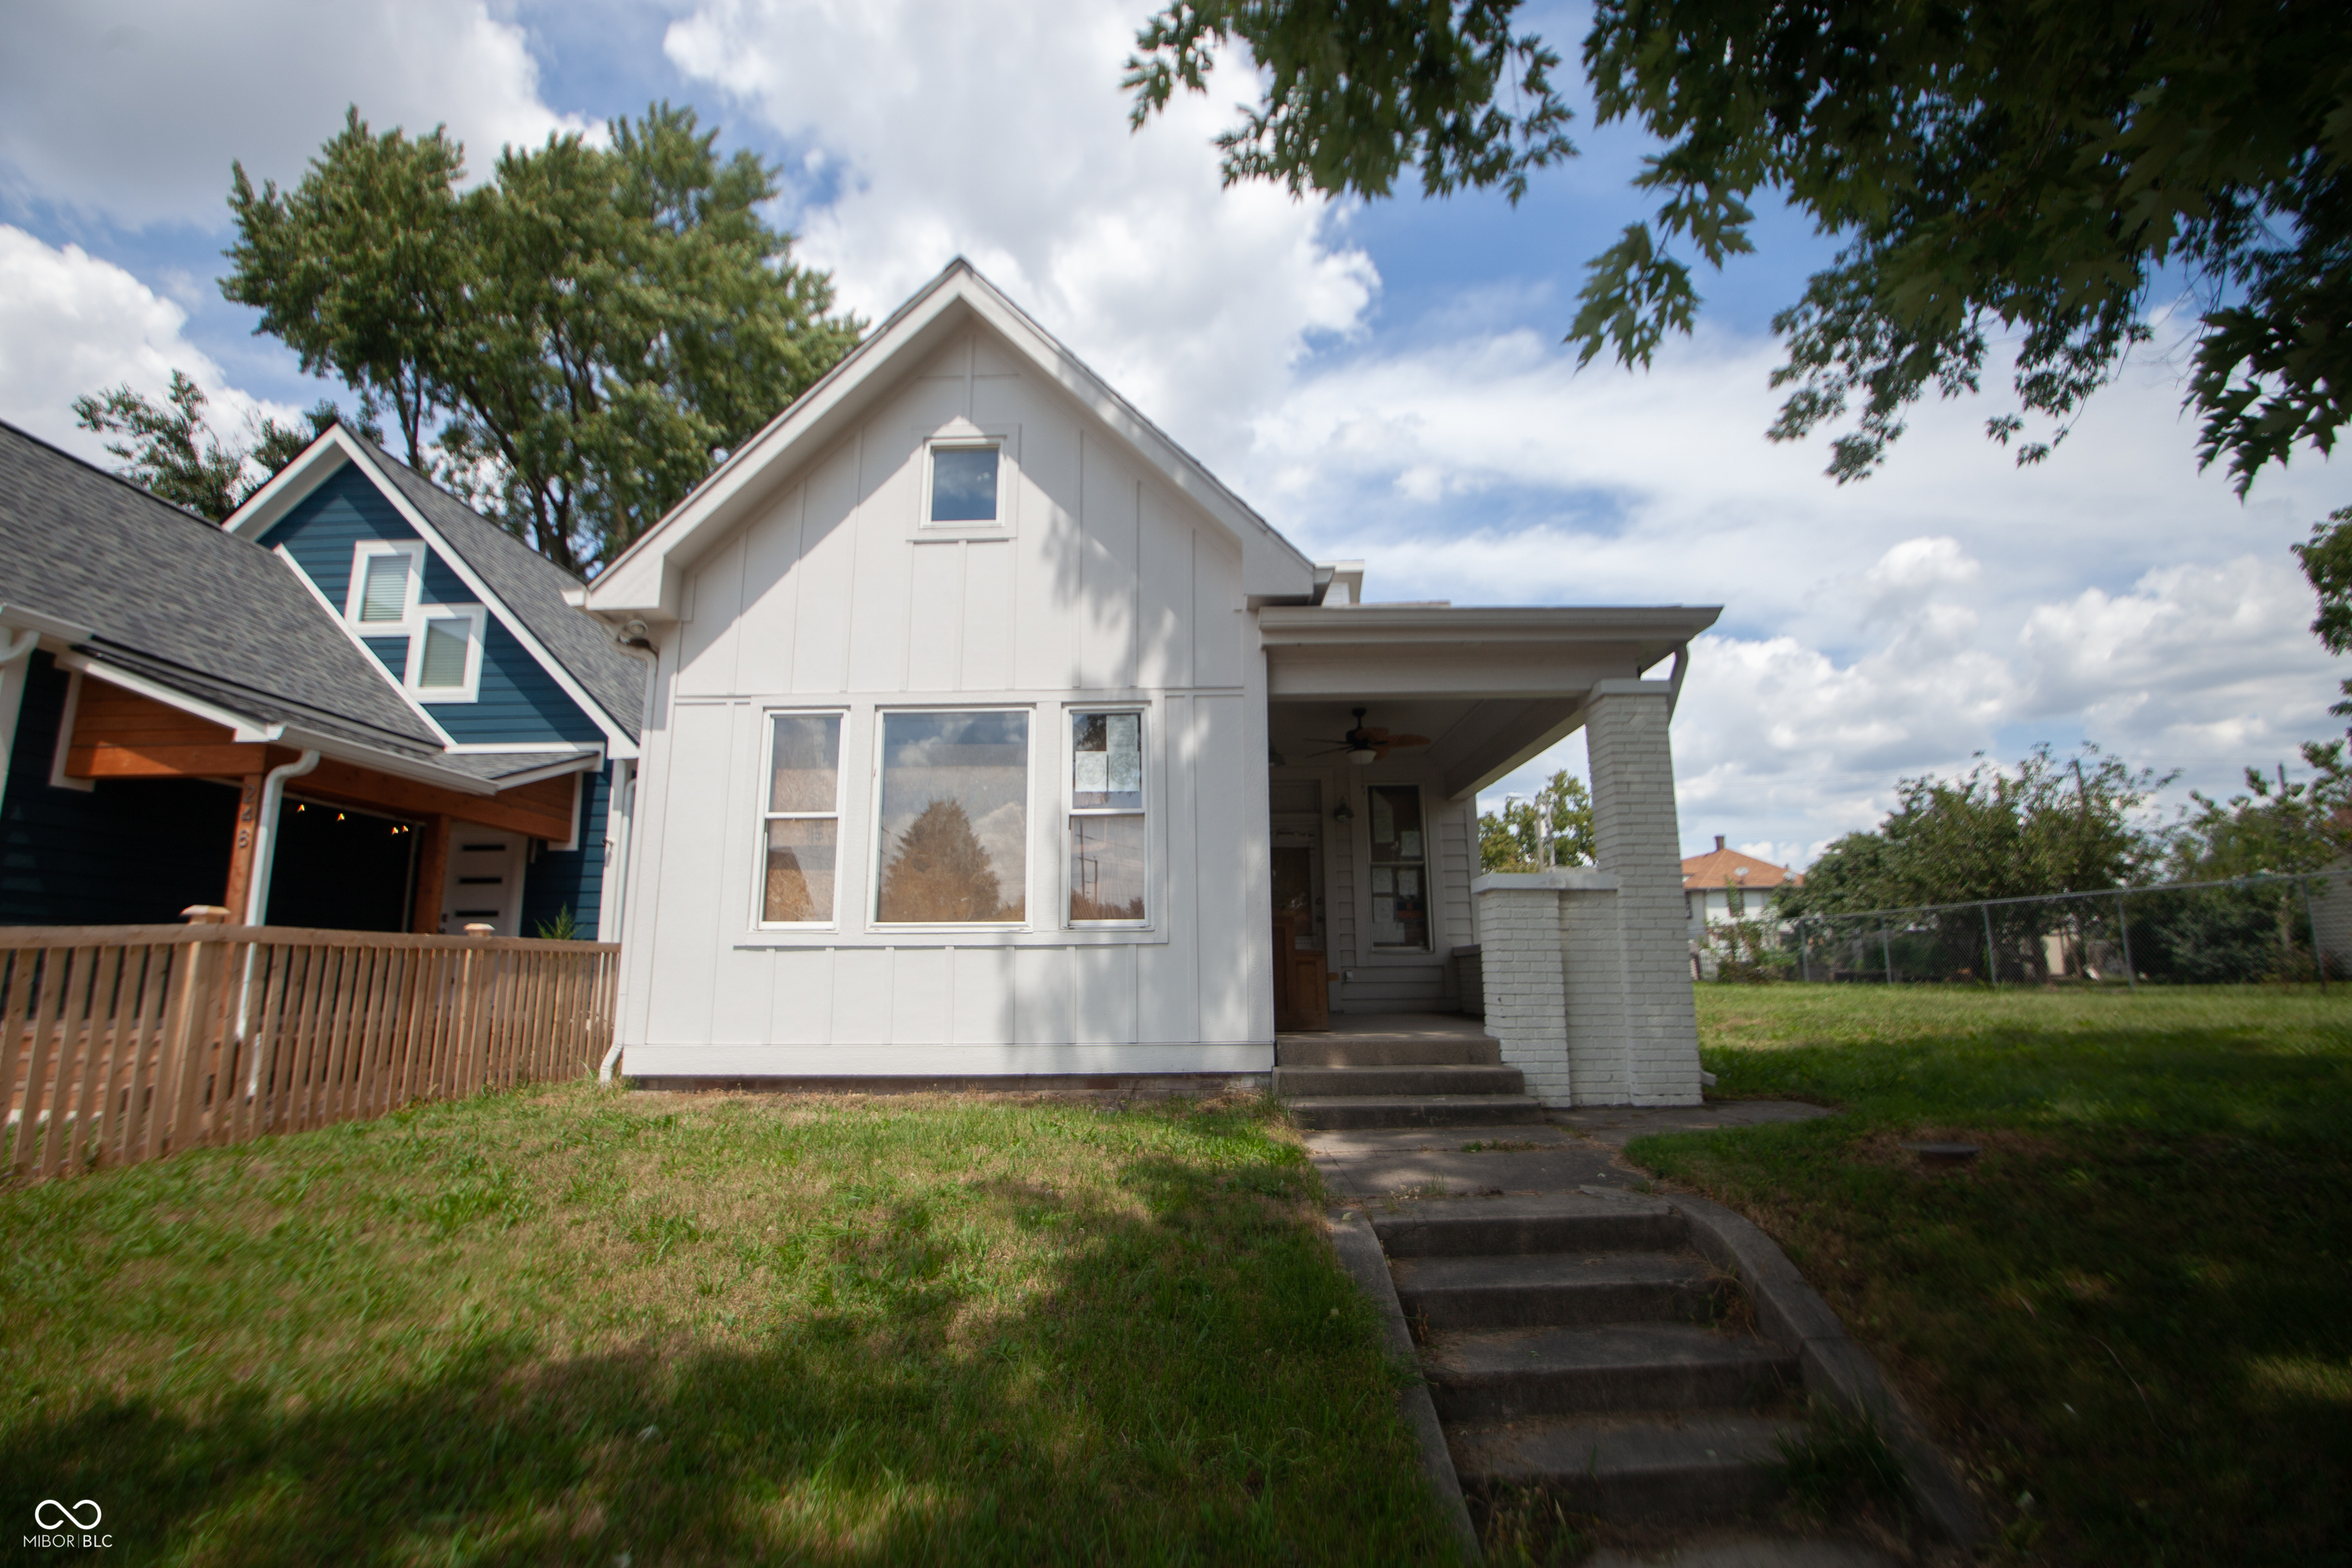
(1527, 1006)
(1638, 842)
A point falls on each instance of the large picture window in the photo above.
(1400, 868)
(954, 819)
(1106, 836)
(803, 822)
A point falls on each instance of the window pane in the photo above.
(963, 484)
(1106, 867)
(955, 817)
(1396, 823)
(1107, 760)
(1400, 909)
(800, 871)
(385, 596)
(805, 757)
(444, 654)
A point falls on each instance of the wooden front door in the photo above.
(1302, 998)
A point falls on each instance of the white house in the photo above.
(990, 734)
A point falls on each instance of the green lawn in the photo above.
(572, 1325)
(2132, 1321)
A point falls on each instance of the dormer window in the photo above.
(384, 591)
(965, 477)
(445, 660)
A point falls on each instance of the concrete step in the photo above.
(1649, 1468)
(1342, 1051)
(1564, 1290)
(1510, 1374)
(1548, 1222)
(1328, 1112)
(1389, 1082)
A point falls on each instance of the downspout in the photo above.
(15, 670)
(623, 803)
(264, 833)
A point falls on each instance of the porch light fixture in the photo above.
(1363, 756)
(1341, 813)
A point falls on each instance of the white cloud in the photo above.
(72, 324)
(132, 110)
(1000, 133)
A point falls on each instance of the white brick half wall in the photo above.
(1587, 971)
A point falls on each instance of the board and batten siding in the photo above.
(1103, 584)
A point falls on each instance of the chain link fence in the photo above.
(2295, 927)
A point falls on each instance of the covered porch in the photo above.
(1384, 724)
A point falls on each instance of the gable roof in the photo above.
(535, 597)
(643, 580)
(1720, 868)
(534, 587)
(169, 597)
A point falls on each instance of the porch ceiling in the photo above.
(1490, 688)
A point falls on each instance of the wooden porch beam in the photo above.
(240, 856)
(432, 876)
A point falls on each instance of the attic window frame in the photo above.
(968, 439)
(476, 617)
(355, 592)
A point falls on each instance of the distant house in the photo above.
(357, 706)
(1724, 885)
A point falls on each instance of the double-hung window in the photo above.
(804, 819)
(1107, 826)
(954, 819)
(1400, 868)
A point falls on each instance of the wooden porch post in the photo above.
(240, 859)
(431, 871)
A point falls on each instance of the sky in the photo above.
(1383, 382)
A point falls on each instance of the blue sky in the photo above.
(1383, 382)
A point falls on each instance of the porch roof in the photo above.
(1491, 686)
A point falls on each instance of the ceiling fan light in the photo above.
(1363, 756)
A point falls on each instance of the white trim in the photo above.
(542, 748)
(941, 1061)
(359, 641)
(287, 487)
(363, 550)
(58, 778)
(579, 812)
(586, 761)
(768, 715)
(1154, 888)
(476, 617)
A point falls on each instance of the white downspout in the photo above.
(16, 669)
(265, 834)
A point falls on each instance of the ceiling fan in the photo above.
(1366, 746)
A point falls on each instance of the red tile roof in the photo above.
(1719, 869)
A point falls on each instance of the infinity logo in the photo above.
(51, 1514)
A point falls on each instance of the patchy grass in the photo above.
(2128, 1319)
(579, 1325)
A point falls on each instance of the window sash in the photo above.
(1398, 873)
(1106, 840)
(383, 589)
(962, 490)
(445, 638)
(800, 826)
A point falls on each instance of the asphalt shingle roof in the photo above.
(532, 587)
(172, 596)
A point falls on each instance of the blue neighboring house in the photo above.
(358, 705)
(483, 636)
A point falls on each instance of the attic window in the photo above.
(385, 596)
(965, 483)
(445, 659)
(444, 665)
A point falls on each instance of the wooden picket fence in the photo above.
(120, 1044)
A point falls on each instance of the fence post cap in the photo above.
(205, 914)
(478, 929)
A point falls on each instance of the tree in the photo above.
(171, 451)
(2029, 167)
(2328, 563)
(1514, 839)
(592, 328)
(941, 871)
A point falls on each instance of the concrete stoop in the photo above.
(1438, 1071)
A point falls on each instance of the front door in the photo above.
(485, 881)
(1302, 998)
